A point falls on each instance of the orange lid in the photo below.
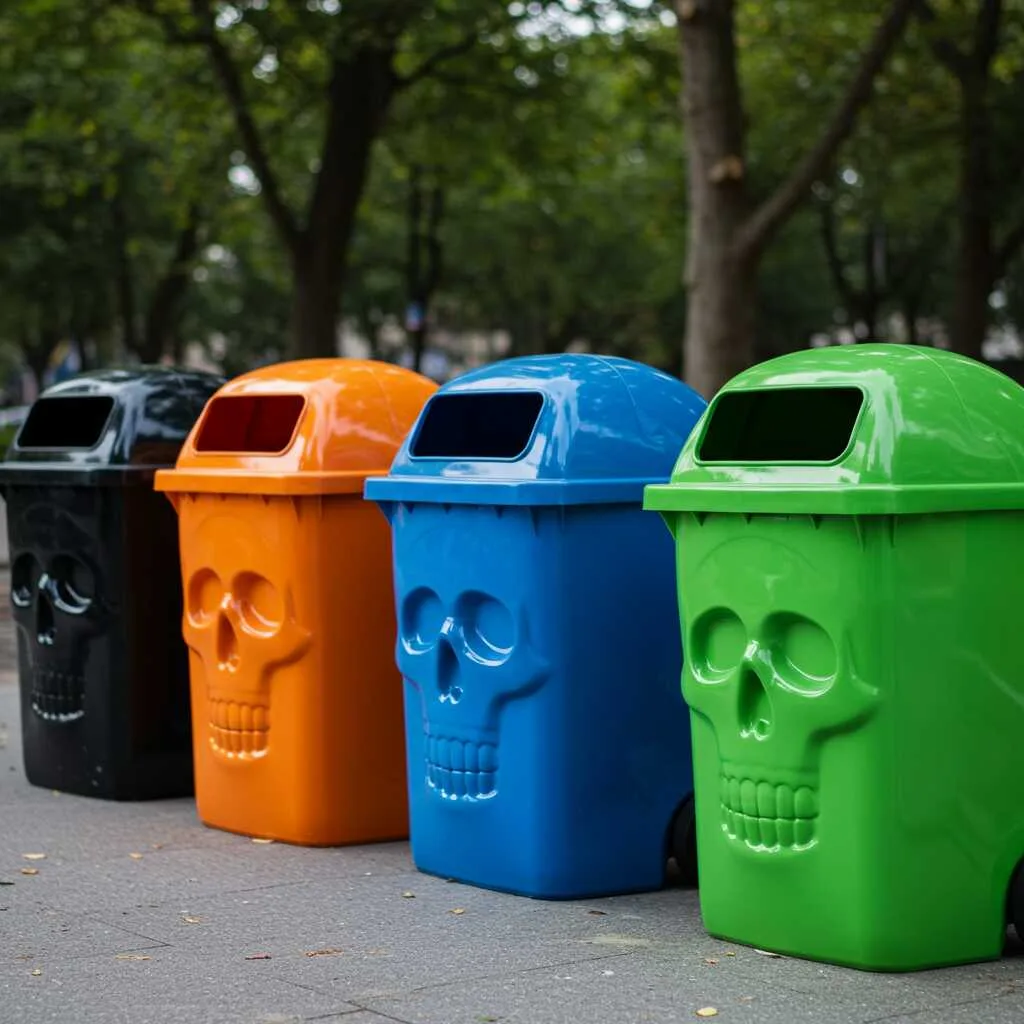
(312, 426)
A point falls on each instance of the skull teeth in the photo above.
(462, 769)
(58, 696)
(239, 729)
(769, 816)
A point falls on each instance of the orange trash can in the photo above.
(289, 610)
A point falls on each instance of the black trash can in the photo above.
(96, 583)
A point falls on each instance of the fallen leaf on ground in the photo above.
(132, 956)
(457, 910)
(189, 919)
(35, 972)
(324, 952)
(598, 913)
(710, 960)
(30, 871)
(485, 1019)
(263, 841)
(258, 956)
(34, 856)
(707, 1011)
(135, 856)
(768, 953)
(408, 895)
(158, 846)
(730, 953)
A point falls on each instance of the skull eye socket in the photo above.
(422, 619)
(259, 603)
(809, 660)
(205, 591)
(72, 585)
(24, 576)
(717, 642)
(488, 628)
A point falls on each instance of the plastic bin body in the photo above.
(856, 696)
(289, 602)
(96, 584)
(538, 632)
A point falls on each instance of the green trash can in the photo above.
(849, 527)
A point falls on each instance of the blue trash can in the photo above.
(547, 739)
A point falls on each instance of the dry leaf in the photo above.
(263, 841)
(135, 856)
(408, 895)
(325, 952)
(34, 856)
(189, 919)
(768, 953)
(158, 846)
(35, 972)
(457, 910)
(258, 956)
(707, 1011)
(730, 953)
(711, 960)
(598, 913)
(132, 956)
(30, 871)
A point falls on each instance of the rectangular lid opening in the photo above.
(256, 424)
(477, 425)
(75, 421)
(781, 425)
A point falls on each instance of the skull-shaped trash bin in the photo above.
(538, 632)
(96, 583)
(848, 525)
(289, 606)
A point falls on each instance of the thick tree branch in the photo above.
(775, 211)
(231, 81)
(435, 60)
(986, 32)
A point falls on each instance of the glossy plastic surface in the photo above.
(938, 432)
(96, 595)
(602, 433)
(857, 700)
(289, 615)
(356, 414)
(546, 735)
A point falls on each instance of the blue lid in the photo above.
(544, 430)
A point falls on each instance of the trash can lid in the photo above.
(875, 429)
(544, 430)
(108, 426)
(312, 426)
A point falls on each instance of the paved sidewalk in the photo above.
(140, 915)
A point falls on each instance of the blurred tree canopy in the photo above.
(259, 179)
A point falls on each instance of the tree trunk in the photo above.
(165, 305)
(726, 240)
(316, 300)
(975, 257)
(125, 283)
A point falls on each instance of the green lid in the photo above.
(855, 430)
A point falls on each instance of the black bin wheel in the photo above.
(682, 843)
(1015, 901)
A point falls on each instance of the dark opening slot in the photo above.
(72, 422)
(781, 425)
(495, 425)
(250, 423)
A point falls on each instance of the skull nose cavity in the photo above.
(755, 706)
(45, 629)
(448, 672)
(227, 644)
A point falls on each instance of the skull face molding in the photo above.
(242, 629)
(774, 684)
(469, 657)
(53, 599)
